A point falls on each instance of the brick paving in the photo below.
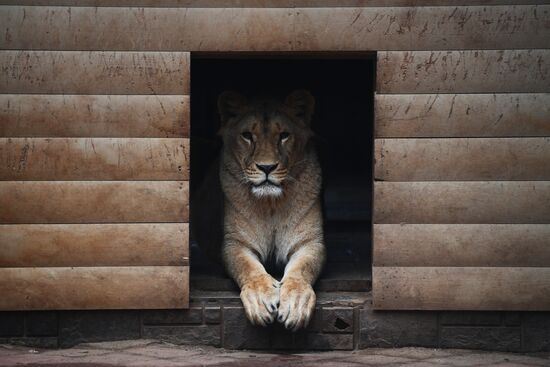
(151, 353)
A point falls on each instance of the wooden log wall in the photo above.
(94, 172)
(94, 109)
(462, 191)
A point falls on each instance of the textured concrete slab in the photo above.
(147, 353)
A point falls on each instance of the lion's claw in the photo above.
(260, 298)
(297, 303)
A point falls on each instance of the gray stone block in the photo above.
(316, 322)
(192, 315)
(185, 334)
(238, 333)
(506, 339)
(42, 323)
(337, 320)
(91, 326)
(512, 319)
(307, 340)
(536, 331)
(212, 314)
(35, 342)
(318, 341)
(398, 328)
(11, 323)
(470, 318)
(282, 338)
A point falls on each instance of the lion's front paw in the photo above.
(260, 298)
(297, 303)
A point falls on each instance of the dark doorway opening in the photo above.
(343, 87)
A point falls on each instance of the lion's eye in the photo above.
(247, 135)
(284, 135)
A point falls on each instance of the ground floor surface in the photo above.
(158, 354)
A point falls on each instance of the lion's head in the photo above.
(265, 140)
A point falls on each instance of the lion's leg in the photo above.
(259, 290)
(297, 298)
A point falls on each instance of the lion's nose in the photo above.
(267, 168)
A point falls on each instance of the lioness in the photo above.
(271, 179)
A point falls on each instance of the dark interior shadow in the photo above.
(343, 124)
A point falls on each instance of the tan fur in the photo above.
(281, 220)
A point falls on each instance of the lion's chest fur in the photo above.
(271, 230)
(274, 227)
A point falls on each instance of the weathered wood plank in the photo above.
(275, 29)
(94, 159)
(172, 3)
(462, 202)
(493, 245)
(266, 3)
(26, 115)
(149, 287)
(147, 29)
(62, 245)
(443, 288)
(93, 202)
(462, 115)
(423, 28)
(76, 72)
(493, 71)
(388, 3)
(462, 159)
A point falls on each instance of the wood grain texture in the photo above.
(494, 71)
(462, 115)
(423, 28)
(28, 115)
(94, 72)
(148, 287)
(266, 3)
(93, 202)
(462, 202)
(462, 159)
(147, 29)
(75, 245)
(94, 159)
(275, 29)
(462, 245)
(458, 288)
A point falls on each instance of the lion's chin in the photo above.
(267, 190)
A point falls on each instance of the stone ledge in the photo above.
(185, 334)
(12, 324)
(489, 338)
(341, 321)
(470, 318)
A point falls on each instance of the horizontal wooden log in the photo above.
(265, 3)
(462, 202)
(494, 71)
(479, 289)
(149, 287)
(462, 115)
(275, 29)
(94, 72)
(65, 245)
(26, 115)
(94, 159)
(93, 202)
(462, 159)
(481, 245)
(148, 29)
(422, 28)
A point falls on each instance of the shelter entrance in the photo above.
(343, 87)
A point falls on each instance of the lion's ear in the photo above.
(231, 104)
(301, 103)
